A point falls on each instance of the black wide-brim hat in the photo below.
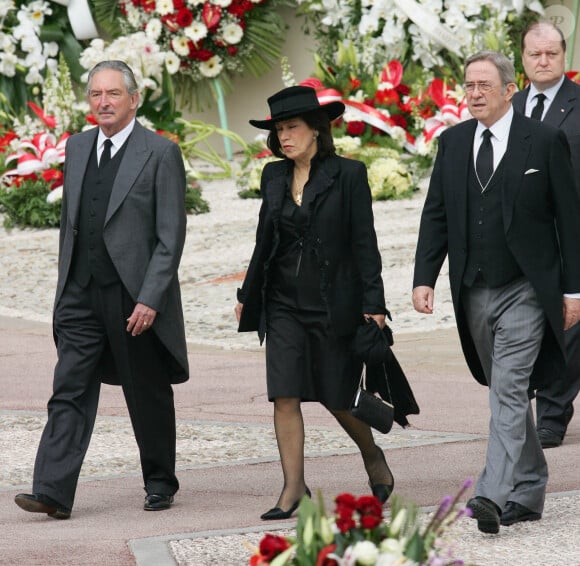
(296, 101)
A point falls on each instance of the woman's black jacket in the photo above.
(341, 228)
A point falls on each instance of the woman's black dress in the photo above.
(304, 358)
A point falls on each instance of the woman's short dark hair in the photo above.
(316, 120)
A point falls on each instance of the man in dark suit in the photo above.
(117, 315)
(502, 205)
(554, 99)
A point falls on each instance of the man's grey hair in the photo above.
(505, 67)
(115, 65)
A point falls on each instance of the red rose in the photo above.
(345, 500)
(354, 83)
(239, 8)
(199, 54)
(355, 128)
(370, 521)
(399, 120)
(403, 89)
(369, 504)
(370, 510)
(272, 545)
(184, 17)
(232, 50)
(345, 525)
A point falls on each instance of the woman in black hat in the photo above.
(314, 273)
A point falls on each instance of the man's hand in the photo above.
(423, 297)
(571, 312)
(141, 320)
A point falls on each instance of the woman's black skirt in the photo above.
(305, 359)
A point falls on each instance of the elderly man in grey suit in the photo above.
(503, 207)
(554, 99)
(117, 315)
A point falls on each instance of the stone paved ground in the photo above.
(229, 434)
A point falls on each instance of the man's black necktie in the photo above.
(484, 161)
(106, 155)
(538, 109)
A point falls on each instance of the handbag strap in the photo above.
(363, 381)
(363, 377)
(388, 386)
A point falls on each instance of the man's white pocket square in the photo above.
(530, 171)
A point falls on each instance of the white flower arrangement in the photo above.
(140, 51)
(21, 50)
(384, 29)
(204, 38)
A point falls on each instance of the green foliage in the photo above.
(26, 206)
(194, 202)
(107, 13)
(196, 145)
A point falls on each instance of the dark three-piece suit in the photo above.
(121, 238)
(554, 399)
(512, 249)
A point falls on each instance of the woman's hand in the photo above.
(378, 318)
(238, 310)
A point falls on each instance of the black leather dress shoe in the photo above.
(277, 514)
(548, 438)
(486, 512)
(157, 502)
(515, 513)
(40, 503)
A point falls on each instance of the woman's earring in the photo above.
(315, 135)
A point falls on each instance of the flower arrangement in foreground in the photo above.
(359, 535)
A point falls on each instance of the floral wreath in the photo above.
(212, 39)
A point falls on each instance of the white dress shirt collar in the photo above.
(500, 134)
(500, 129)
(550, 94)
(117, 140)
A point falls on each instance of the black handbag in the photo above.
(372, 409)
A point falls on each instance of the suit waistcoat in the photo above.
(489, 260)
(90, 256)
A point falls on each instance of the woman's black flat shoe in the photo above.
(277, 514)
(382, 491)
